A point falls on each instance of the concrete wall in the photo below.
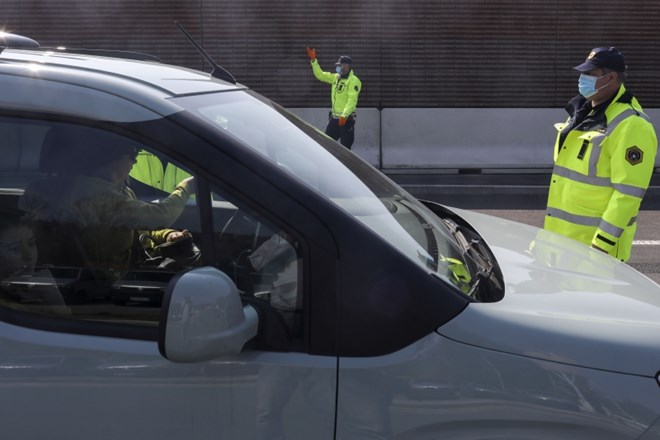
(453, 138)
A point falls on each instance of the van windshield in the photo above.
(338, 174)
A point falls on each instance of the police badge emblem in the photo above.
(634, 155)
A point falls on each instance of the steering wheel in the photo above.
(175, 255)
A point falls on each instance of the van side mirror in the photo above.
(202, 317)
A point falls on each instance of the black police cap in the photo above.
(603, 57)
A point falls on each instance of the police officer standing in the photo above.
(604, 158)
(346, 88)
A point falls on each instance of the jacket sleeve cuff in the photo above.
(604, 241)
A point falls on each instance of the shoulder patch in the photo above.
(357, 89)
(634, 155)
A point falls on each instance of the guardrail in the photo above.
(455, 140)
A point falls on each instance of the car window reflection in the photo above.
(86, 223)
(105, 223)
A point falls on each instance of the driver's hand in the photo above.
(178, 235)
(188, 183)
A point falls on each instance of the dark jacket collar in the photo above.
(584, 115)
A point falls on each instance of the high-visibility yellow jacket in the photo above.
(345, 91)
(602, 170)
(149, 170)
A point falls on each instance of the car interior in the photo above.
(62, 272)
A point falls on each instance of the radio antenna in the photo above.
(218, 71)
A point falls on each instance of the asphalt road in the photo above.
(521, 197)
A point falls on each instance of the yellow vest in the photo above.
(600, 178)
(149, 170)
(345, 91)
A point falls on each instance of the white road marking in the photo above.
(646, 242)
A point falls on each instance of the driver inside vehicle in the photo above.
(86, 215)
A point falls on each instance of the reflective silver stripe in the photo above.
(584, 220)
(598, 139)
(574, 218)
(610, 229)
(594, 157)
(578, 177)
(630, 190)
(644, 116)
(620, 117)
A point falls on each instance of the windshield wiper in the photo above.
(474, 251)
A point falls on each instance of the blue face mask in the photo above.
(587, 85)
(338, 69)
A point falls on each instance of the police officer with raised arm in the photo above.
(346, 88)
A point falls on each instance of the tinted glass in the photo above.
(337, 174)
(94, 226)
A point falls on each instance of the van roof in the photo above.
(57, 63)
